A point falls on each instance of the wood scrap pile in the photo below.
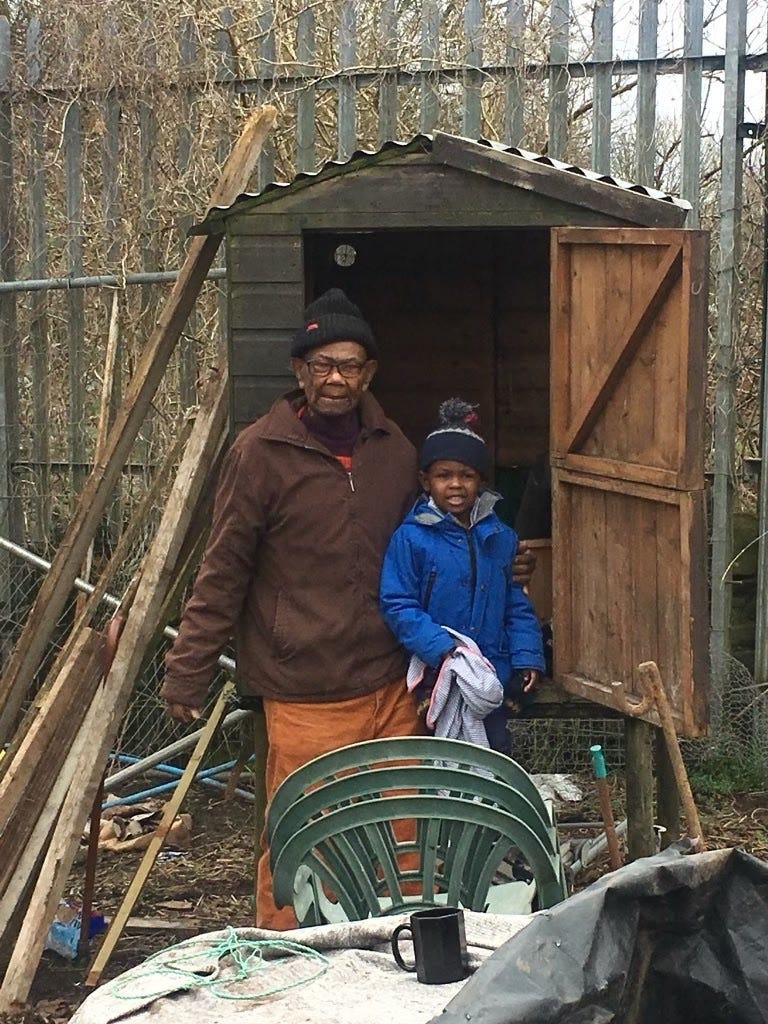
(53, 767)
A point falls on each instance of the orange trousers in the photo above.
(297, 733)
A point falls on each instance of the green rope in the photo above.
(247, 955)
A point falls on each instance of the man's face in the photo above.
(333, 377)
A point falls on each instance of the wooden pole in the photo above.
(606, 810)
(640, 838)
(58, 583)
(138, 882)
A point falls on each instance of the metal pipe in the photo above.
(45, 284)
(172, 750)
(224, 662)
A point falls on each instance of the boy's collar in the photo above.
(483, 506)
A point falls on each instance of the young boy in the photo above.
(448, 567)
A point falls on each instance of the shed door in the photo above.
(628, 337)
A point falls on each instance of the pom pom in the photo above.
(457, 413)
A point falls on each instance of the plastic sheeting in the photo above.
(673, 938)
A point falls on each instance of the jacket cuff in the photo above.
(182, 691)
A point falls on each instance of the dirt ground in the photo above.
(210, 886)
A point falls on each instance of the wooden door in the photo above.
(628, 363)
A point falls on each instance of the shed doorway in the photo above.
(456, 313)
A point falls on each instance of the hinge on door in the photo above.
(750, 130)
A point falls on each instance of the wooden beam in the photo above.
(567, 186)
(172, 807)
(639, 788)
(150, 369)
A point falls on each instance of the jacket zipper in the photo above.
(472, 562)
(351, 481)
(428, 591)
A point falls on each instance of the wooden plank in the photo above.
(225, 73)
(347, 99)
(645, 138)
(559, 19)
(73, 185)
(16, 882)
(111, 215)
(39, 529)
(514, 111)
(172, 807)
(388, 84)
(639, 783)
(112, 697)
(187, 131)
(148, 375)
(667, 795)
(305, 101)
(261, 353)
(266, 305)
(266, 68)
(29, 788)
(554, 183)
(274, 258)
(429, 100)
(9, 342)
(690, 148)
(472, 119)
(602, 49)
(619, 470)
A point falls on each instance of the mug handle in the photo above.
(396, 947)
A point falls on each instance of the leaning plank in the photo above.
(207, 438)
(172, 807)
(102, 481)
(52, 709)
(25, 788)
(28, 864)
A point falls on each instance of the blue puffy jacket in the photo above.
(437, 573)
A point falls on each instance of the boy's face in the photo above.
(453, 486)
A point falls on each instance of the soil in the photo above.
(210, 886)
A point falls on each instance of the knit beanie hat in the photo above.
(455, 439)
(332, 317)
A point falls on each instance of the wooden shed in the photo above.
(572, 308)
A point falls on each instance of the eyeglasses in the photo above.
(322, 367)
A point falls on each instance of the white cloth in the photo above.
(466, 691)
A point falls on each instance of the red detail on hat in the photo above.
(313, 326)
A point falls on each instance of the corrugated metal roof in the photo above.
(364, 157)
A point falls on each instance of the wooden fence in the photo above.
(101, 173)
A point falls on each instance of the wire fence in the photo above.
(114, 117)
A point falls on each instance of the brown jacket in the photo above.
(293, 561)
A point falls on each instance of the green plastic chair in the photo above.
(331, 829)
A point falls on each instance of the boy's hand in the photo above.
(523, 564)
(532, 678)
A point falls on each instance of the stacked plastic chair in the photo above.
(397, 824)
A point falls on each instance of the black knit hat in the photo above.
(332, 317)
(455, 439)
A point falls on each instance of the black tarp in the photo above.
(678, 937)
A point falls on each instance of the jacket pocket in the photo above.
(283, 631)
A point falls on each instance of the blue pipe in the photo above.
(203, 776)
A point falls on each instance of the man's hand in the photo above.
(532, 678)
(523, 564)
(183, 713)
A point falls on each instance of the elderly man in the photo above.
(307, 500)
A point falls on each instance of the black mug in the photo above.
(439, 945)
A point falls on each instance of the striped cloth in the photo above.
(467, 689)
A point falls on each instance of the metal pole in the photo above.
(761, 615)
(45, 284)
(224, 662)
(727, 325)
